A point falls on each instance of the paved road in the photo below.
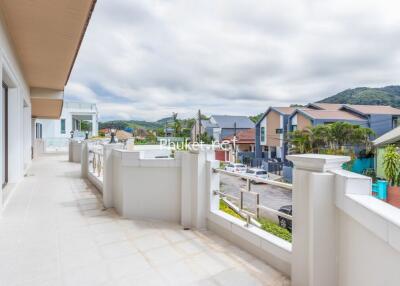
(270, 196)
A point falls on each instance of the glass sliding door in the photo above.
(4, 135)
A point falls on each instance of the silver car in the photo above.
(236, 167)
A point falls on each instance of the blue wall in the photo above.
(380, 123)
(257, 142)
(325, 121)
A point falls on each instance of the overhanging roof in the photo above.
(390, 137)
(46, 36)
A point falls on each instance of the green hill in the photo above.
(389, 95)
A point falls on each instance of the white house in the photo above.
(39, 42)
(72, 117)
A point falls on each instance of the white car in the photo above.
(236, 167)
(259, 173)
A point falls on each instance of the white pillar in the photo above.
(108, 173)
(15, 135)
(95, 127)
(70, 151)
(195, 187)
(84, 160)
(314, 246)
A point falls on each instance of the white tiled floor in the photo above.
(54, 232)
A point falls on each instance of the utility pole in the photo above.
(234, 141)
(199, 119)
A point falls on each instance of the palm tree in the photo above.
(300, 141)
(331, 138)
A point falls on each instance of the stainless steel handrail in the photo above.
(245, 213)
(255, 179)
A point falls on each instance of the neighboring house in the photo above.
(380, 118)
(243, 146)
(391, 137)
(221, 126)
(272, 128)
(76, 116)
(271, 131)
(302, 118)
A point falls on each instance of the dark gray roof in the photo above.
(228, 121)
(207, 123)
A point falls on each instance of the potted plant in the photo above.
(391, 166)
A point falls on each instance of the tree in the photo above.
(256, 118)
(391, 165)
(300, 141)
(334, 138)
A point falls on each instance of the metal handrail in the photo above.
(245, 213)
(255, 179)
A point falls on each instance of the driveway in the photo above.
(270, 196)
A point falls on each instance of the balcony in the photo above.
(55, 231)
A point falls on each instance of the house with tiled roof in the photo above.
(221, 126)
(242, 144)
(276, 122)
(380, 118)
(271, 131)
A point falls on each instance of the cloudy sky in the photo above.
(144, 59)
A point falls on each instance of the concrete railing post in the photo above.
(70, 151)
(84, 159)
(213, 183)
(314, 246)
(195, 187)
(108, 173)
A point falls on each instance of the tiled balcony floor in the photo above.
(54, 232)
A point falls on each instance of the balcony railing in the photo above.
(251, 217)
(96, 160)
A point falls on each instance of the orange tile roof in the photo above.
(331, 114)
(244, 136)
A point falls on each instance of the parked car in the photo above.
(236, 167)
(284, 222)
(259, 173)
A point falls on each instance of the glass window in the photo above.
(263, 134)
(38, 130)
(62, 126)
(396, 121)
(294, 127)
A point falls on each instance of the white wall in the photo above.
(52, 127)
(19, 114)
(342, 235)
(146, 188)
(365, 259)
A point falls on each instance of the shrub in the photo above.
(225, 208)
(266, 224)
(273, 228)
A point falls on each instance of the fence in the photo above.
(96, 160)
(249, 215)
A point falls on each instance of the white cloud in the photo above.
(145, 59)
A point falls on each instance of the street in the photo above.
(270, 196)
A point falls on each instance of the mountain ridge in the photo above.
(388, 95)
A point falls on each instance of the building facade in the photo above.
(273, 127)
(36, 60)
(76, 116)
(271, 132)
(220, 126)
